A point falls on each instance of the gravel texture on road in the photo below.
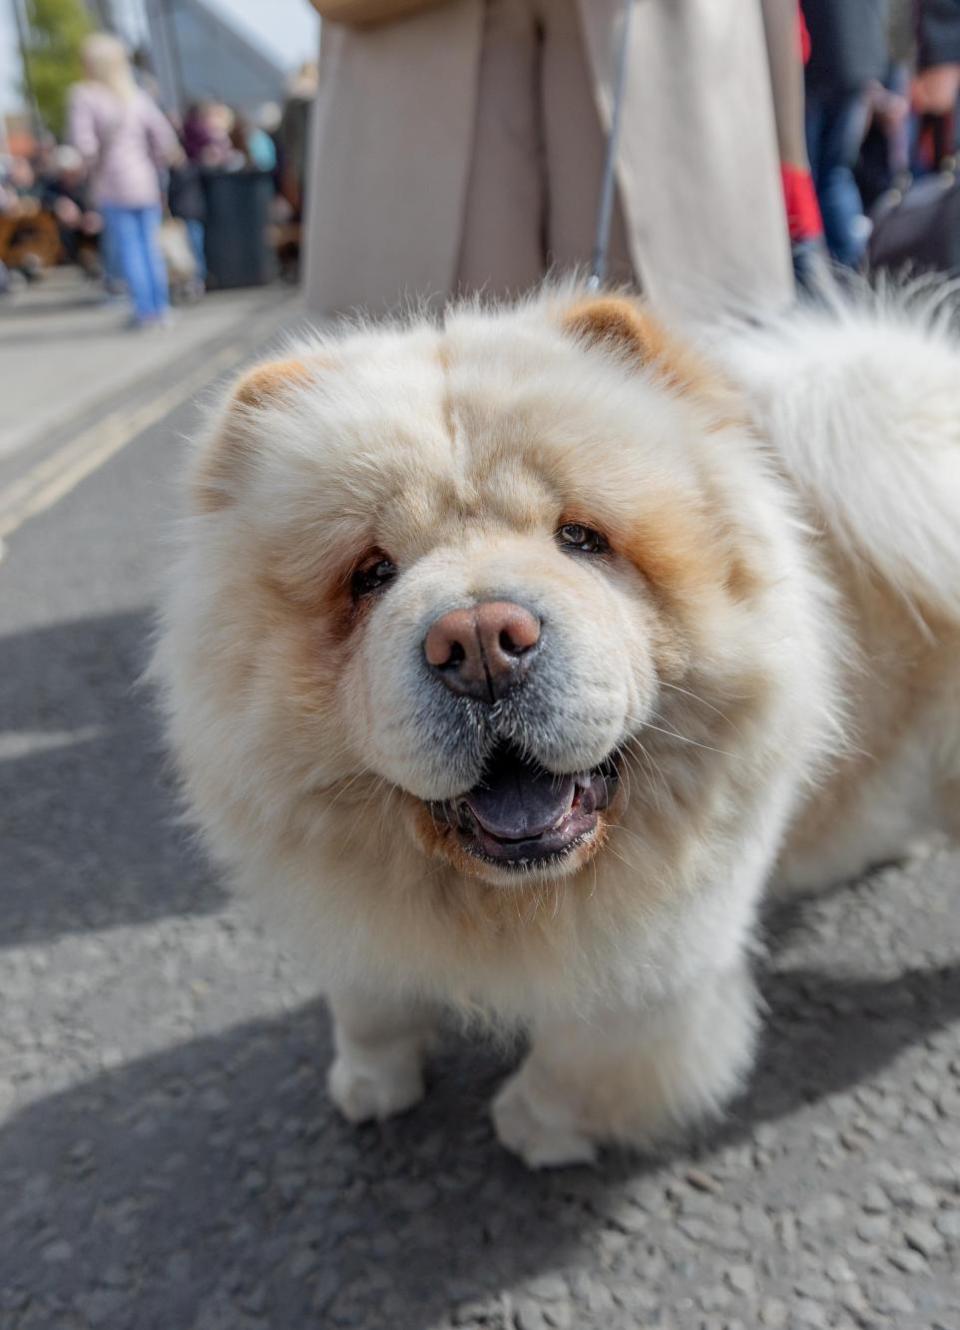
(168, 1158)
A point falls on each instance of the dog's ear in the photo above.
(277, 378)
(221, 465)
(628, 329)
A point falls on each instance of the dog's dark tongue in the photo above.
(517, 799)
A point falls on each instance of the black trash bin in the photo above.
(237, 240)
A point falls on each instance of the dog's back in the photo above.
(861, 404)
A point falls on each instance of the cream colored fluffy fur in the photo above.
(772, 644)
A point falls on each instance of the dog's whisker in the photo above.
(682, 738)
(702, 701)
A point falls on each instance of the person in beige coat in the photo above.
(460, 147)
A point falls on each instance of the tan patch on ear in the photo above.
(224, 458)
(265, 383)
(611, 319)
(627, 327)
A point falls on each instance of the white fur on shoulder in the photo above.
(861, 402)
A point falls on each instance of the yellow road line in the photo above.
(47, 482)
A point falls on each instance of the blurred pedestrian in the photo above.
(253, 147)
(29, 235)
(187, 202)
(461, 147)
(937, 85)
(206, 133)
(913, 122)
(126, 141)
(788, 48)
(292, 135)
(66, 193)
(849, 57)
(195, 132)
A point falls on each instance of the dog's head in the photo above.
(453, 576)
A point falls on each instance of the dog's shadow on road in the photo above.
(213, 1185)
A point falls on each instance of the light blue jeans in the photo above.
(836, 124)
(195, 230)
(133, 237)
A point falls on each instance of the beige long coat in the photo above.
(698, 175)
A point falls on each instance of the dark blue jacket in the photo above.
(938, 33)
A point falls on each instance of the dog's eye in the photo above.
(372, 575)
(573, 536)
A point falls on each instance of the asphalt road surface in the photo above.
(168, 1160)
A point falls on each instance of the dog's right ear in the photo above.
(220, 469)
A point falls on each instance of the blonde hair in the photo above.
(105, 61)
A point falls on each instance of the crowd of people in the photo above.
(882, 80)
(494, 182)
(123, 195)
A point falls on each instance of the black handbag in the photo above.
(916, 225)
(919, 228)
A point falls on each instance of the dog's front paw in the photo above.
(541, 1132)
(366, 1090)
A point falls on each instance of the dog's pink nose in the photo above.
(482, 652)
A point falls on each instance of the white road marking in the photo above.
(25, 743)
(53, 478)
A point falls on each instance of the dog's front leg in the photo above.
(380, 1044)
(631, 1076)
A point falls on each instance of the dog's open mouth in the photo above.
(520, 815)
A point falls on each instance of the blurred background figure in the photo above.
(292, 133)
(291, 136)
(125, 141)
(937, 84)
(467, 144)
(195, 132)
(885, 153)
(253, 148)
(224, 223)
(788, 49)
(268, 118)
(66, 192)
(187, 202)
(29, 234)
(206, 133)
(881, 93)
(849, 56)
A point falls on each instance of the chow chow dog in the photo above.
(517, 651)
